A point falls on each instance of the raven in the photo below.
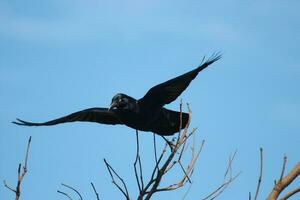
(145, 114)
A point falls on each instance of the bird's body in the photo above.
(145, 114)
(161, 121)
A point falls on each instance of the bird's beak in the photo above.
(112, 106)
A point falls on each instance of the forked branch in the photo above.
(21, 174)
(112, 174)
(285, 181)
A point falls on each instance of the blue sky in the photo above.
(57, 57)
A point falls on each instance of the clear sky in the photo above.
(61, 56)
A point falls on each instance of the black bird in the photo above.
(145, 114)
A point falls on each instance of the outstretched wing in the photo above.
(168, 91)
(99, 115)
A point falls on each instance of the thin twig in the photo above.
(225, 187)
(67, 186)
(111, 171)
(197, 156)
(187, 192)
(283, 167)
(156, 168)
(95, 191)
(220, 188)
(8, 187)
(260, 174)
(63, 193)
(155, 152)
(229, 167)
(226, 182)
(136, 160)
(185, 173)
(26, 156)
(180, 116)
(141, 173)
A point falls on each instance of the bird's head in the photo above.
(122, 102)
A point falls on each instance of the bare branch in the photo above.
(139, 179)
(284, 182)
(228, 179)
(155, 152)
(63, 193)
(291, 193)
(67, 186)
(187, 172)
(17, 191)
(221, 188)
(180, 116)
(187, 192)
(161, 172)
(8, 187)
(156, 169)
(136, 160)
(283, 167)
(26, 156)
(178, 149)
(165, 162)
(111, 172)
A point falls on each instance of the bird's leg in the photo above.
(171, 145)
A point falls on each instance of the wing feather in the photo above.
(168, 91)
(99, 115)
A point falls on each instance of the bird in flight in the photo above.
(145, 114)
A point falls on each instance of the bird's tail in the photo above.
(169, 122)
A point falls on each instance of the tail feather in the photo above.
(169, 122)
